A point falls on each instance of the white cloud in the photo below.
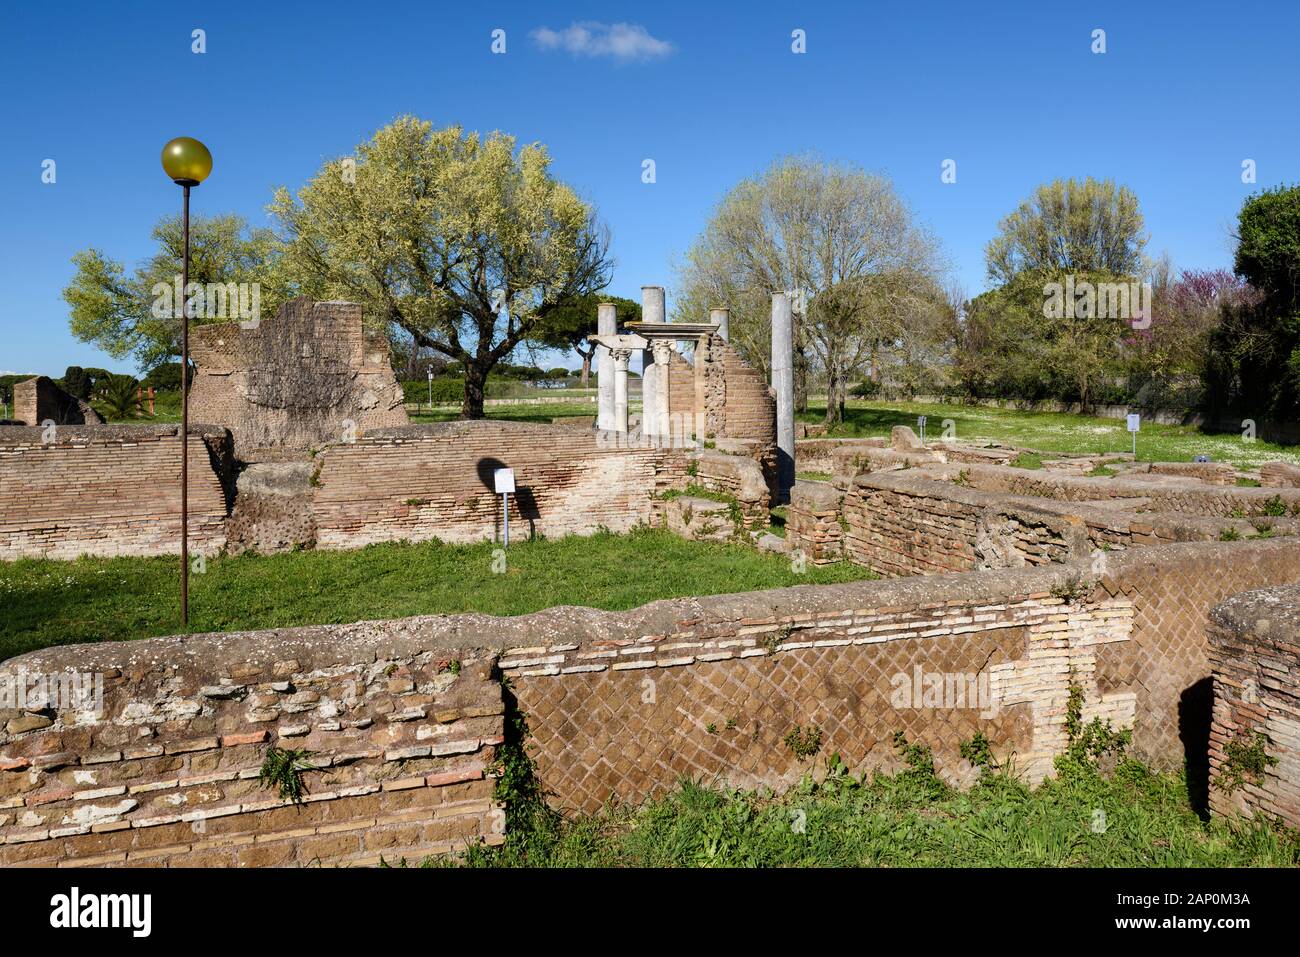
(618, 41)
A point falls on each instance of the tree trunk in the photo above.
(586, 369)
(471, 406)
(834, 411)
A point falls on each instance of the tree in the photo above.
(1073, 227)
(828, 231)
(1009, 348)
(572, 321)
(76, 383)
(1253, 369)
(123, 315)
(464, 242)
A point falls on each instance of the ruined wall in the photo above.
(813, 522)
(1254, 652)
(110, 490)
(620, 705)
(899, 524)
(1190, 498)
(623, 707)
(919, 522)
(166, 773)
(744, 473)
(422, 482)
(38, 400)
(733, 396)
(310, 376)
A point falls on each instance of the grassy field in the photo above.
(1081, 817)
(1055, 432)
(98, 599)
(515, 413)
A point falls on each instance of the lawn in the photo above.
(1055, 432)
(543, 412)
(1081, 817)
(50, 602)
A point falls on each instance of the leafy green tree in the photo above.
(1071, 226)
(1253, 368)
(76, 383)
(574, 320)
(1009, 348)
(817, 229)
(120, 312)
(465, 242)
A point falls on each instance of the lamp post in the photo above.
(188, 163)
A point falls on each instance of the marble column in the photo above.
(663, 352)
(723, 318)
(783, 384)
(606, 325)
(620, 357)
(652, 310)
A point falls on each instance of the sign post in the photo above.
(430, 390)
(504, 482)
(1134, 423)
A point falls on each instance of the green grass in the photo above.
(515, 413)
(50, 602)
(906, 819)
(167, 405)
(1056, 432)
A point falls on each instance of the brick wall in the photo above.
(1190, 498)
(423, 482)
(1254, 652)
(901, 524)
(308, 376)
(732, 396)
(620, 704)
(109, 490)
(166, 774)
(812, 524)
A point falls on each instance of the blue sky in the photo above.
(1183, 93)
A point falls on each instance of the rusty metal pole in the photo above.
(185, 421)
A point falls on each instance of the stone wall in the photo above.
(900, 524)
(38, 400)
(917, 522)
(620, 705)
(310, 376)
(813, 520)
(1254, 652)
(114, 490)
(110, 490)
(436, 481)
(400, 734)
(744, 474)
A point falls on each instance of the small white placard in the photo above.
(1134, 420)
(504, 480)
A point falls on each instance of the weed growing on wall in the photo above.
(804, 742)
(1246, 759)
(283, 769)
